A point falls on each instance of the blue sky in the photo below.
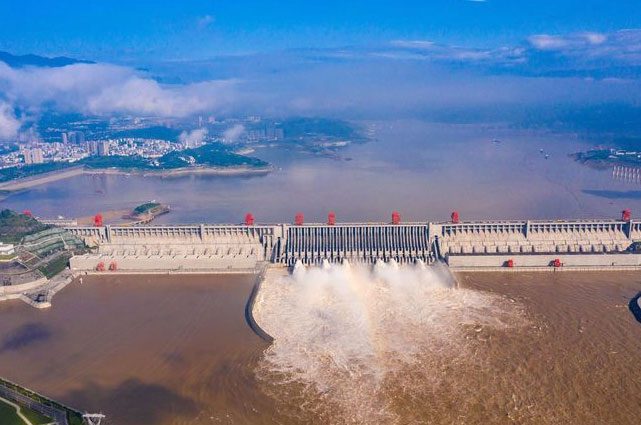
(500, 60)
(118, 30)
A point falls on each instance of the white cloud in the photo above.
(413, 44)
(233, 133)
(547, 42)
(595, 37)
(204, 21)
(571, 41)
(193, 138)
(9, 123)
(100, 89)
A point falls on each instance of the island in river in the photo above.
(604, 158)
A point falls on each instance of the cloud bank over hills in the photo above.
(400, 78)
(9, 123)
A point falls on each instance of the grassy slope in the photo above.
(35, 417)
(8, 415)
(14, 226)
(54, 267)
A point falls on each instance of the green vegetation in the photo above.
(55, 266)
(34, 417)
(212, 154)
(12, 173)
(14, 226)
(144, 208)
(74, 417)
(39, 242)
(121, 162)
(157, 132)
(8, 415)
(49, 241)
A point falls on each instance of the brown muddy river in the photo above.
(548, 348)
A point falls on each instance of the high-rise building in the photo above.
(36, 156)
(26, 155)
(32, 156)
(103, 148)
(65, 139)
(76, 137)
(92, 147)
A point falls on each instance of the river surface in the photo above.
(547, 348)
(422, 170)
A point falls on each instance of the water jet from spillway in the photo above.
(344, 332)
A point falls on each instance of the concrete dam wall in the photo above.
(201, 248)
(465, 245)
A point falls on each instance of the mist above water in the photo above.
(348, 335)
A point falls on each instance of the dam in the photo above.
(469, 245)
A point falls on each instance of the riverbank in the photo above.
(39, 292)
(40, 179)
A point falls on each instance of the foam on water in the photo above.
(344, 332)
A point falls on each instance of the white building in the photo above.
(7, 249)
(33, 156)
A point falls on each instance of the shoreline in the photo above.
(53, 176)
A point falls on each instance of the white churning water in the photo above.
(347, 334)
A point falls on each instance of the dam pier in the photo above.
(470, 245)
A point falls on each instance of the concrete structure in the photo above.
(60, 222)
(535, 237)
(7, 249)
(313, 243)
(103, 148)
(581, 243)
(538, 244)
(201, 248)
(32, 156)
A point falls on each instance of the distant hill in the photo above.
(15, 61)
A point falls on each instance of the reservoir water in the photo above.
(422, 170)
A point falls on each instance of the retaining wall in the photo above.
(544, 261)
(89, 262)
